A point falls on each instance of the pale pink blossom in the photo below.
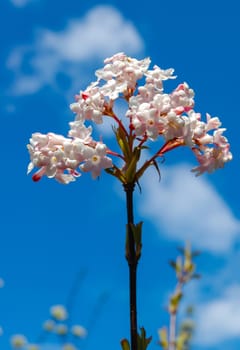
(211, 159)
(90, 104)
(157, 75)
(150, 114)
(162, 102)
(212, 123)
(47, 152)
(175, 126)
(218, 138)
(58, 157)
(182, 98)
(121, 73)
(146, 120)
(79, 130)
(96, 160)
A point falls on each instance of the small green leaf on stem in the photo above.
(182, 340)
(163, 336)
(137, 234)
(143, 341)
(125, 344)
(132, 165)
(172, 264)
(116, 172)
(174, 302)
(123, 143)
(157, 168)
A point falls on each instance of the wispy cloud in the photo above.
(218, 320)
(100, 33)
(20, 3)
(184, 207)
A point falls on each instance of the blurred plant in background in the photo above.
(59, 327)
(173, 337)
(56, 329)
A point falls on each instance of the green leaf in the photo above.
(163, 336)
(123, 143)
(143, 341)
(182, 340)
(116, 172)
(137, 234)
(125, 344)
(172, 264)
(155, 164)
(132, 166)
(174, 302)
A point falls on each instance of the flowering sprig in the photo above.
(151, 114)
(185, 270)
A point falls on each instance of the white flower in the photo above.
(79, 331)
(146, 120)
(69, 346)
(47, 152)
(213, 123)
(18, 341)
(182, 98)
(59, 312)
(157, 75)
(49, 325)
(175, 126)
(121, 73)
(79, 130)
(33, 347)
(90, 104)
(96, 160)
(61, 329)
(211, 159)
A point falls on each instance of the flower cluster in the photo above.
(56, 325)
(151, 114)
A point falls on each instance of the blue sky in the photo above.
(50, 232)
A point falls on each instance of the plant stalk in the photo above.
(132, 264)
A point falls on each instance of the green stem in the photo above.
(132, 264)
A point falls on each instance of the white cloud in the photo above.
(20, 3)
(184, 207)
(219, 320)
(101, 32)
